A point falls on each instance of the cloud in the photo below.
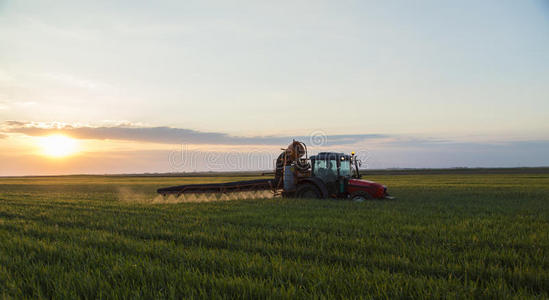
(3, 136)
(461, 154)
(515, 154)
(375, 150)
(13, 124)
(172, 135)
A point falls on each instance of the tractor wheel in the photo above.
(361, 197)
(308, 190)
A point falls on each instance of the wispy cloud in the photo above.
(172, 135)
(375, 150)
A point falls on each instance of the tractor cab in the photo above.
(341, 176)
(334, 169)
(330, 165)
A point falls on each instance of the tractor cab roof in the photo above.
(330, 155)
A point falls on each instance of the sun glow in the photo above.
(58, 145)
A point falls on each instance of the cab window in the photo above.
(326, 169)
(345, 168)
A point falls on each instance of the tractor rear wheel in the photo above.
(308, 190)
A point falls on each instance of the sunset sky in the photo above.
(171, 86)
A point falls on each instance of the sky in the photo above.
(175, 86)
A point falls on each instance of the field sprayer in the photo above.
(325, 175)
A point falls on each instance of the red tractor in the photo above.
(325, 175)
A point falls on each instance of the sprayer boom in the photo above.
(227, 187)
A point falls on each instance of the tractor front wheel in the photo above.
(360, 197)
(308, 190)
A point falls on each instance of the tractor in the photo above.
(324, 175)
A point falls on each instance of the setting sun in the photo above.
(58, 145)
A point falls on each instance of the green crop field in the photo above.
(447, 235)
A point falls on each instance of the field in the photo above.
(447, 235)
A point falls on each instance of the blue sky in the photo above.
(461, 73)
